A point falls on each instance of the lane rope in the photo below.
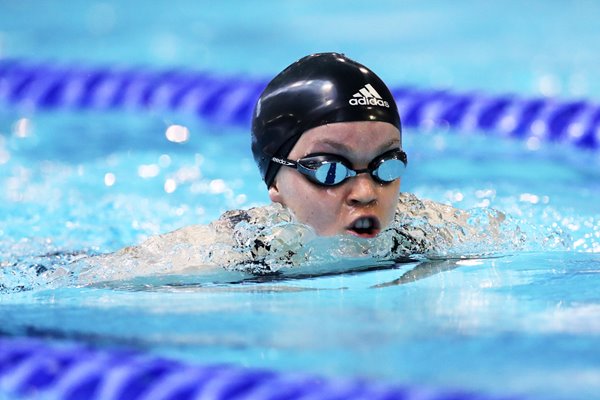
(31, 368)
(230, 100)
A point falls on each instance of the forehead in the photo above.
(355, 136)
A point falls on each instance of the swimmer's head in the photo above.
(316, 90)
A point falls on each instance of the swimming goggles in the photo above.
(330, 170)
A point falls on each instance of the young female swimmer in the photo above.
(327, 139)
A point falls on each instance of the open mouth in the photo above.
(366, 227)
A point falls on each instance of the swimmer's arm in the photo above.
(189, 250)
(193, 235)
(438, 213)
(438, 226)
(175, 252)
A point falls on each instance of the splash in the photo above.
(267, 241)
(36, 263)
(422, 229)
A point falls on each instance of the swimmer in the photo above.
(327, 139)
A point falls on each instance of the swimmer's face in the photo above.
(359, 206)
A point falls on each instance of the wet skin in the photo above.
(360, 206)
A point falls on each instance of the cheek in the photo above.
(297, 194)
(327, 212)
(318, 206)
(389, 200)
(311, 205)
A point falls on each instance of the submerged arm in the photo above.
(440, 230)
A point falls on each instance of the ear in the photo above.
(275, 194)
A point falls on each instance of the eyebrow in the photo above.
(338, 145)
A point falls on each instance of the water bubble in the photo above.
(177, 134)
(217, 186)
(164, 160)
(22, 128)
(109, 179)
(148, 170)
(170, 185)
(529, 198)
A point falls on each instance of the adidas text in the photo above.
(363, 101)
(368, 96)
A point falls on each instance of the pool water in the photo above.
(523, 322)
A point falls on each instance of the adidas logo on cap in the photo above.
(368, 96)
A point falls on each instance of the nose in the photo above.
(362, 191)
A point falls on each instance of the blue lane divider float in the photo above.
(230, 100)
(34, 369)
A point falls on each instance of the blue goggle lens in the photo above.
(389, 170)
(331, 173)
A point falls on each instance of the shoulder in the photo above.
(267, 215)
(410, 206)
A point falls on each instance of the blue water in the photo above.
(97, 181)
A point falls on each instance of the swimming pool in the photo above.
(97, 180)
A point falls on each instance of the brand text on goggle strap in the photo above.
(280, 161)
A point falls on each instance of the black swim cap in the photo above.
(316, 90)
